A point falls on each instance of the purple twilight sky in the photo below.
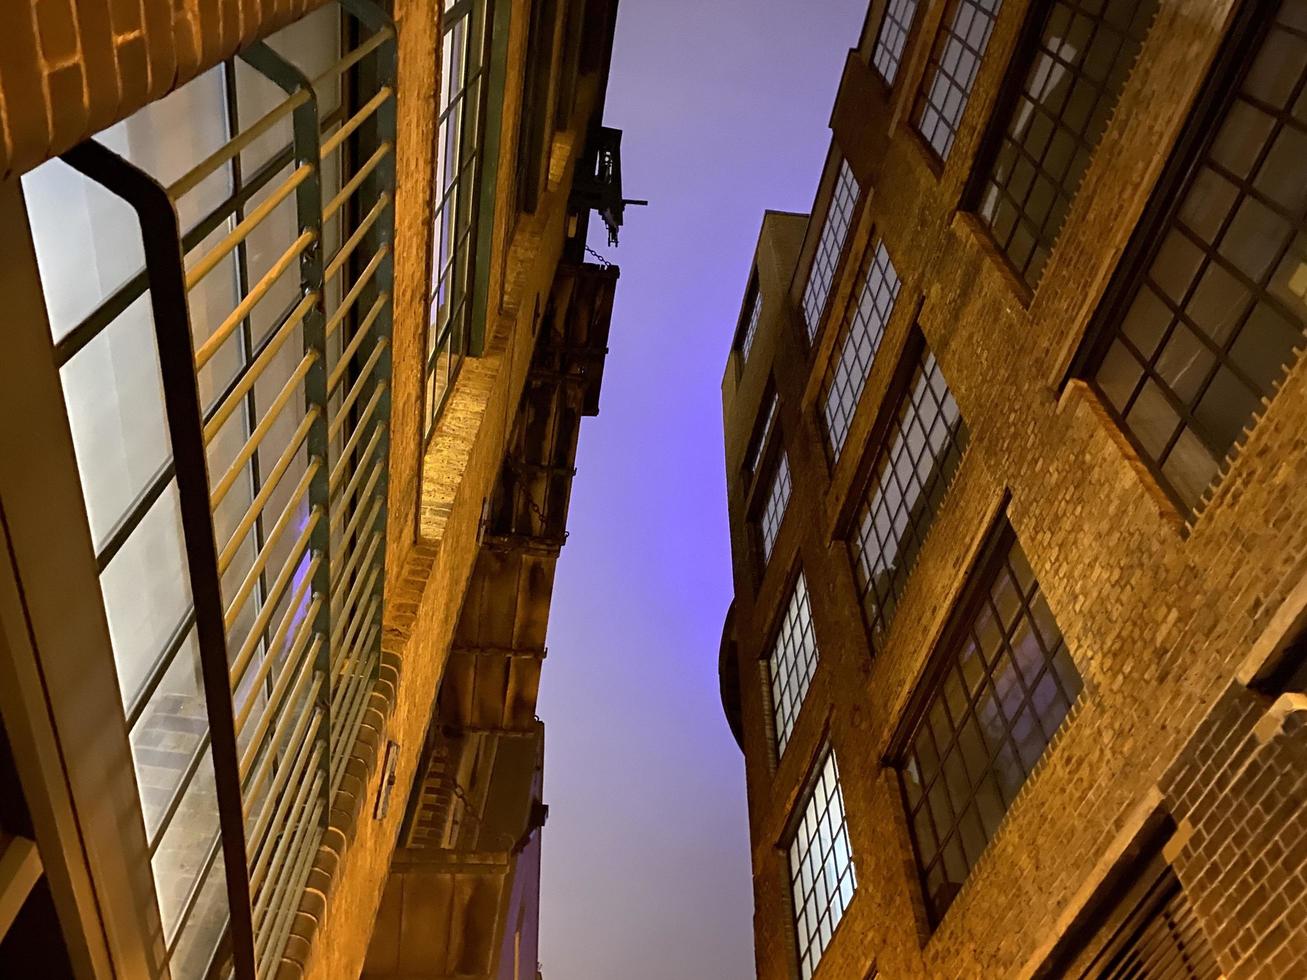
(724, 106)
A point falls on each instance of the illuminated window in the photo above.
(792, 662)
(859, 339)
(1207, 317)
(991, 705)
(954, 63)
(913, 469)
(892, 38)
(751, 325)
(1072, 78)
(822, 877)
(463, 58)
(839, 215)
(773, 511)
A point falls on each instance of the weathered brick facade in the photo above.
(1173, 621)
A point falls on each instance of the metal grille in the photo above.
(241, 371)
(839, 215)
(1167, 942)
(1049, 131)
(751, 328)
(913, 470)
(1005, 683)
(954, 63)
(792, 662)
(893, 37)
(760, 435)
(1213, 315)
(773, 511)
(822, 877)
(464, 55)
(858, 342)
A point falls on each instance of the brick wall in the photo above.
(1159, 619)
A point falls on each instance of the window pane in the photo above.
(1085, 51)
(773, 512)
(914, 467)
(954, 63)
(1218, 310)
(858, 342)
(893, 37)
(822, 877)
(792, 663)
(989, 737)
(839, 215)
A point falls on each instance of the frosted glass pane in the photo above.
(146, 591)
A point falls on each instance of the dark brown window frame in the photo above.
(1199, 131)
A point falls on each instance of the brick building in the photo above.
(1016, 467)
(300, 333)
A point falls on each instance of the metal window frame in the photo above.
(924, 97)
(1028, 50)
(785, 717)
(823, 253)
(990, 561)
(247, 948)
(1218, 92)
(884, 44)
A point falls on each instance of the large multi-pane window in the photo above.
(914, 466)
(464, 56)
(773, 509)
(893, 36)
(792, 662)
(858, 342)
(1047, 134)
(284, 236)
(955, 59)
(822, 876)
(998, 689)
(839, 215)
(754, 307)
(1207, 319)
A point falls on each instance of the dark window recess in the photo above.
(913, 469)
(749, 327)
(535, 127)
(893, 38)
(1046, 129)
(955, 59)
(999, 687)
(1202, 324)
(1161, 939)
(762, 429)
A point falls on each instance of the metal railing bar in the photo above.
(309, 718)
(179, 793)
(283, 679)
(352, 348)
(255, 573)
(342, 413)
(338, 471)
(352, 58)
(349, 654)
(290, 801)
(343, 737)
(298, 550)
(284, 917)
(352, 296)
(205, 352)
(276, 340)
(193, 177)
(261, 430)
(160, 668)
(346, 250)
(367, 490)
(283, 889)
(246, 225)
(351, 604)
(330, 144)
(345, 575)
(356, 181)
(255, 510)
